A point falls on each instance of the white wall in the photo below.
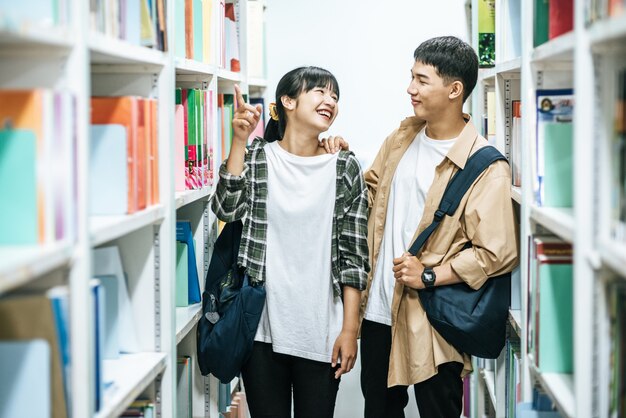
(369, 46)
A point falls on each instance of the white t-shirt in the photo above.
(412, 180)
(301, 317)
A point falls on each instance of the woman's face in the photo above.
(317, 108)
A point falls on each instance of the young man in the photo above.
(399, 347)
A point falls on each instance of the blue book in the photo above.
(25, 379)
(98, 299)
(111, 325)
(185, 234)
(59, 301)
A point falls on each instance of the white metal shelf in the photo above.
(231, 76)
(558, 220)
(107, 50)
(35, 37)
(186, 318)
(191, 196)
(487, 74)
(560, 48)
(516, 194)
(490, 384)
(20, 265)
(611, 30)
(131, 374)
(256, 82)
(510, 66)
(613, 254)
(559, 386)
(108, 228)
(192, 67)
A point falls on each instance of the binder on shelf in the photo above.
(107, 262)
(231, 33)
(541, 22)
(182, 274)
(111, 317)
(179, 148)
(184, 234)
(18, 215)
(25, 376)
(108, 170)
(28, 317)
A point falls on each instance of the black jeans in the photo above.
(438, 397)
(269, 379)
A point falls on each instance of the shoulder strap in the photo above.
(456, 189)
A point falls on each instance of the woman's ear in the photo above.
(288, 102)
(456, 90)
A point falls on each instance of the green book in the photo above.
(556, 295)
(182, 275)
(486, 33)
(18, 186)
(542, 14)
(558, 147)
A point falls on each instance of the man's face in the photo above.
(429, 94)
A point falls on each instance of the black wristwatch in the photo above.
(428, 277)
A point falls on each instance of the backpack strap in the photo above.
(456, 189)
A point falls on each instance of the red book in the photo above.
(561, 17)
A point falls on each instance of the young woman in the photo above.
(304, 237)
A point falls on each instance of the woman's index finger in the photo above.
(239, 96)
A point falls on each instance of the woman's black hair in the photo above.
(292, 84)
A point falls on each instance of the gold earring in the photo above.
(273, 111)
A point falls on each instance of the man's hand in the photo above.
(333, 144)
(245, 119)
(407, 270)
(345, 349)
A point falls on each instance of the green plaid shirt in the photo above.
(245, 196)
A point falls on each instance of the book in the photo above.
(486, 33)
(184, 234)
(19, 215)
(25, 373)
(554, 106)
(540, 22)
(108, 262)
(183, 387)
(561, 17)
(28, 317)
(108, 170)
(182, 274)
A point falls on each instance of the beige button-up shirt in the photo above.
(485, 217)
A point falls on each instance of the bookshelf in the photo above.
(587, 58)
(69, 53)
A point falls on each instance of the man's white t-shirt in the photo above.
(412, 180)
(301, 317)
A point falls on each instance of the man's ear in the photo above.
(456, 90)
(288, 102)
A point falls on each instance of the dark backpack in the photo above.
(473, 321)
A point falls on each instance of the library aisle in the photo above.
(116, 114)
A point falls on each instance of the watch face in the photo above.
(429, 276)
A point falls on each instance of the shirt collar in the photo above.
(460, 151)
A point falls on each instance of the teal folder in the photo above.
(179, 28)
(555, 281)
(25, 379)
(18, 187)
(108, 170)
(182, 274)
(198, 42)
(558, 176)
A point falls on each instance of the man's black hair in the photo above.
(453, 60)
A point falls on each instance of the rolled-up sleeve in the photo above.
(490, 225)
(230, 201)
(353, 250)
